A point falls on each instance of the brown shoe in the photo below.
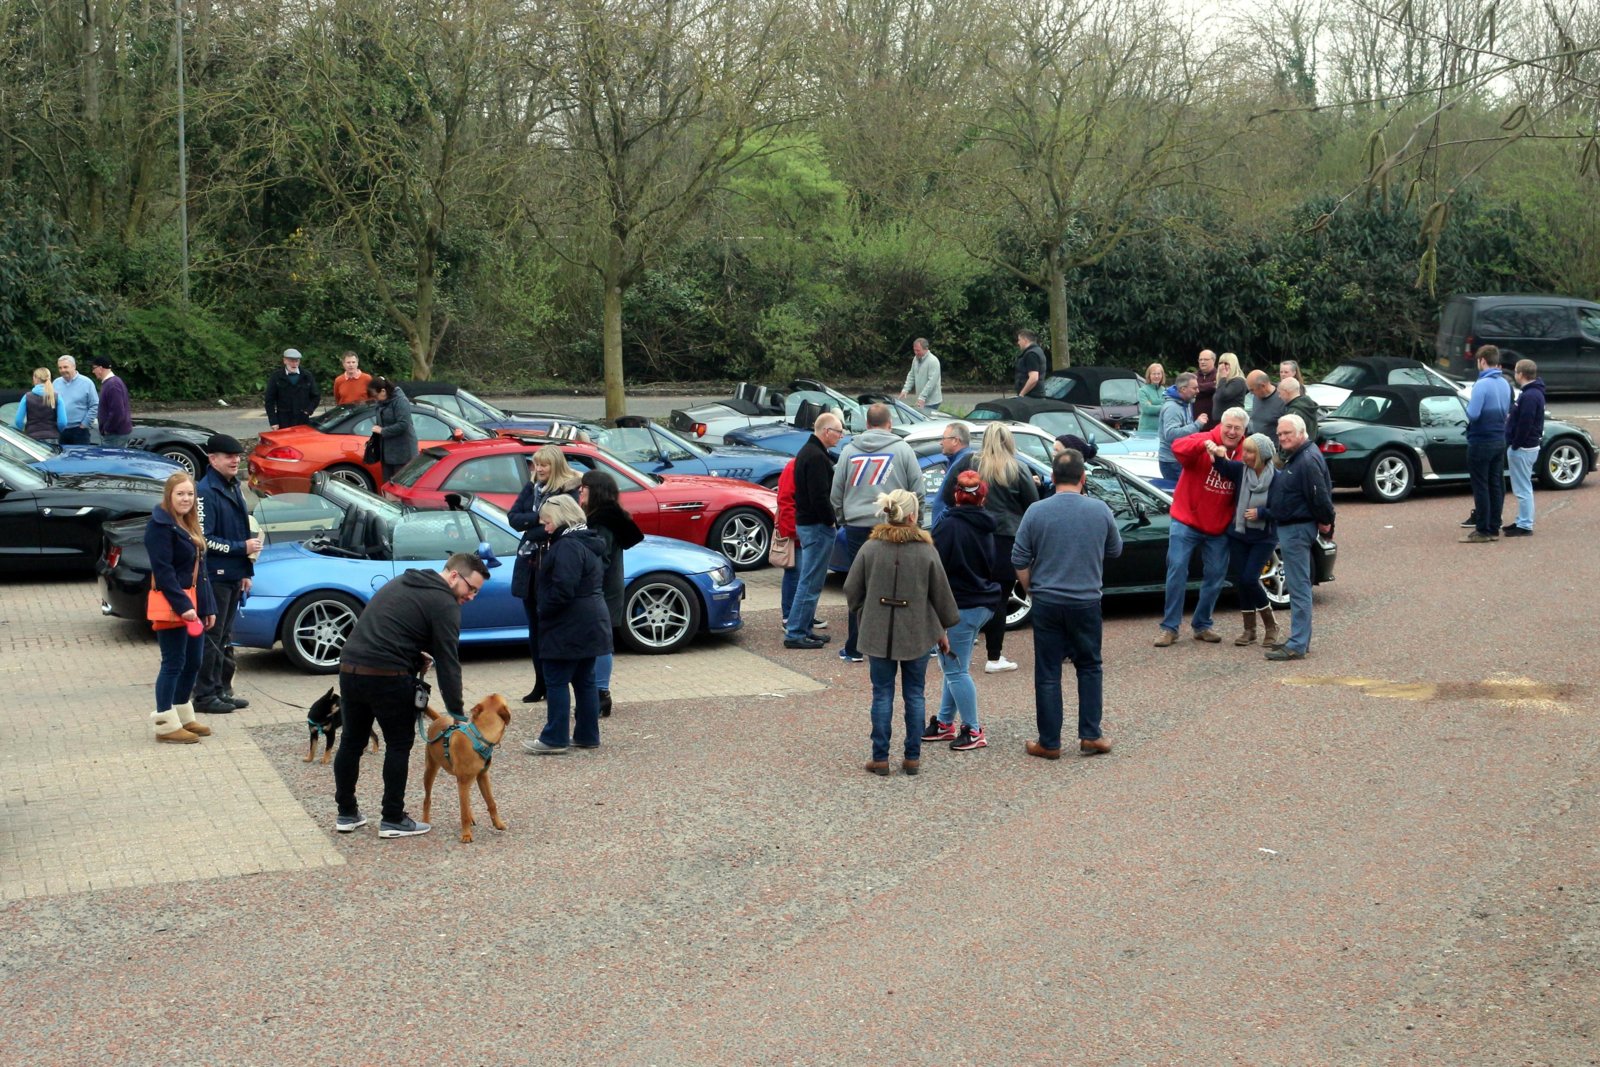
(1269, 628)
(1098, 747)
(1034, 748)
(878, 766)
(911, 766)
(179, 736)
(1167, 638)
(1249, 635)
(1210, 637)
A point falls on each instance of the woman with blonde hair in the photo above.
(1230, 385)
(898, 586)
(1011, 492)
(181, 608)
(1152, 394)
(552, 476)
(37, 415)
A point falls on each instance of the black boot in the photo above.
(605, 703)
(536, 694)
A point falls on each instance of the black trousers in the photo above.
(217, 664)
(994, 631)
(531, 608)
(390, 703)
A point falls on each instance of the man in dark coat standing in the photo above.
(814, 526)
(230, 551)
(292, 393)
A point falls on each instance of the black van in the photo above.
(1559, 333)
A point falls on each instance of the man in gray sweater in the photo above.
(1060, 555)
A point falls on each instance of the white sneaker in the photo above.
(995, 666)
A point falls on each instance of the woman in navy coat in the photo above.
(177, 547)
(574, 627)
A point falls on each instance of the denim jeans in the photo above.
(1486, 466)
(216, 662)
(1181, 543)
(1245, 560)
(854, 538)
(180, 665)
(1521, 461)
(816, 548)
(1062, 632)
(1170, 469)
(559, 703)
(602, 670)
(1297, 543)
(791, 581)
(913, 694)
(960, 693)
(390, 703)
(115, 440)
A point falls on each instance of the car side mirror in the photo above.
(1140, 517)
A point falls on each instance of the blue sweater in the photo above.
(1489, 407)
(1525, 429)
(1177, 420)
(77, 402)
(1064, 543)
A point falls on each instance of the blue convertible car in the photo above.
(83, 459)
(327, 552)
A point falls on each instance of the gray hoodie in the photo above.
(873, 462)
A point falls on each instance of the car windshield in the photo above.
(1362, 408)
(472, 400)
(350, 497)
(17, 476)
(1346, 376)
(1121, 391)
(335, 415)
(22, 448)
(491, 511)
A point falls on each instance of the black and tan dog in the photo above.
(325, 718)
(464, 749)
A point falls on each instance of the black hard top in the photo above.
(1403, 401)
(1094, 375)
(419, 388)
(1023, 408)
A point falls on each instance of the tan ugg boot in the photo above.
(1269, 631)
(186, 719)
(170, 731)
(1249, 635)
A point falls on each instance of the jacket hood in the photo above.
(1171, 392)
(873, 440)
(611, 517)
(901, 535)
(427, 581)
(976, 517)
(161, 517)
(1537, 383)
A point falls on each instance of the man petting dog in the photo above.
(413, 617)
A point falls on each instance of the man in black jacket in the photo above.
(1300, 501)
(230, 550)
(412, 621)
(1031, 364)
(292, 393)
(814, 522)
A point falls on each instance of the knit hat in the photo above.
(1265, 447)
(971, 490)
(1086, 449)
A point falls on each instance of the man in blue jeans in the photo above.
(1486, 447)
(813, 525)
(1524, 434)
(1059, 555)
(1300, 501)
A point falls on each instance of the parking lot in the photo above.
(1384, 853)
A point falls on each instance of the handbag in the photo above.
(158, 609)
(373, 453)
(782, 552)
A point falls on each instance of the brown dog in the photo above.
(453, 747)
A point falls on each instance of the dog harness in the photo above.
(483, 748)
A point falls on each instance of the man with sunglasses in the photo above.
(413, 621)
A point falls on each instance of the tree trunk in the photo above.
(616, 399)
(1060, 347)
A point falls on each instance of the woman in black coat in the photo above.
(574, 627)
(551, 477)
(397, 443)
(597, 492)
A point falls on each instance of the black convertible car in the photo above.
(1388, 439)
(1110, 394)
(52, 522)
(182, 442)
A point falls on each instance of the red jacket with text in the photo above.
(1204, 499)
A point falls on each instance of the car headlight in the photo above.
(722, 576)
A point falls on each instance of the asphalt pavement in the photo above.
(1388, 853)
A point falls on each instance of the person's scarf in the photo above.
(1254, 484)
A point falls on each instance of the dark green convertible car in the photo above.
(1388, 439)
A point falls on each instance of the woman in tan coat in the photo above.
(898, 585)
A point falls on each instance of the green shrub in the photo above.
(166, 353)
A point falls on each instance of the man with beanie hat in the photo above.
(1252, 534)
(230, 551)
(292, 393)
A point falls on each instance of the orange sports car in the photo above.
(284, 460)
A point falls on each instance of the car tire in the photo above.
(1275, 582)
(1391, 476)
(183, 457)
(315, 629)
(1564, 464)
(661, 614)
(771, 483)
(353, 475)
(744, 535)
(1019, 608)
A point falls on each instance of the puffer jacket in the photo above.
(899, 586)
(573, 620)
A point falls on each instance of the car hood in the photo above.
(115, 483)
(693, 486)
(89, 459)
(731, 451)
(187, 429)
(666, 553)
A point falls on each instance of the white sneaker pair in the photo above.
(995, 666)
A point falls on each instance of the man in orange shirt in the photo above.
(350, 387)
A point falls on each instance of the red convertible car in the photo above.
(727, 516)
(284, 460)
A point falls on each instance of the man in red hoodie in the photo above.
(1202, 508)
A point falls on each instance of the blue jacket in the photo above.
(226, 522)
(1177, 420)
(172, 564)
(1489, 407)
(1525, 429)
(964, 538)
(20, 420)
(574, 622)
(1301, 490)
(939, 503)
(524, 516)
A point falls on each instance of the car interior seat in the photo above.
(805, 416)
(1368, 410)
